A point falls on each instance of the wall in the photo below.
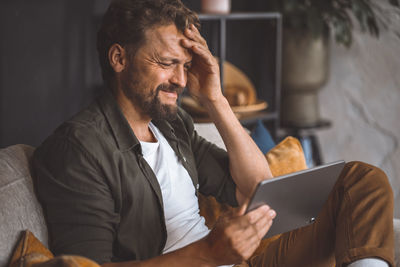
(45, 75)
(362, 98)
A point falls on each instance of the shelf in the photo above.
(321, 124)
(250, 118)
(238, 16)
(218, 26)
(245, 119)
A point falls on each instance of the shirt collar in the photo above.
(120, 127)
(166, 128)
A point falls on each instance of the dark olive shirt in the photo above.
(101, 198)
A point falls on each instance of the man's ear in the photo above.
(117, 58)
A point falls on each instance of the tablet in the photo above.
(297, 197)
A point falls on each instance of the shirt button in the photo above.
(197, 186)
(184, 159)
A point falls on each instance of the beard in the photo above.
(158, 111)
(148, 101)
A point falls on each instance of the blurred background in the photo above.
(329, 73)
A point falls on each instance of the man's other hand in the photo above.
(237, 235)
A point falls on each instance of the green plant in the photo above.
(337, 15)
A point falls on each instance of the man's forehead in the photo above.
(167, 41)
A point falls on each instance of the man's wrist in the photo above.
(203, 252)
(212, 104)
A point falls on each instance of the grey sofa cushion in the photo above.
(19, 208)
(396, 225)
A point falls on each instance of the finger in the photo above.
(200, 51)
(264, 230)
(242, 210)
(246, 238)
(248, 246)
(245, 200)
(206, 55)
(192, 33)
(246, 250)
(194, 28)
(249, 230)
(255, 215)
(265, 220)
(257, 231)
(187, 43)
(263, 225)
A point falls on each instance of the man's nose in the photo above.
(179, 76)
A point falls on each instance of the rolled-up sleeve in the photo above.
(78, 204)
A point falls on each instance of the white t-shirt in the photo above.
(181, 208)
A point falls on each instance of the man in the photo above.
(119, 181)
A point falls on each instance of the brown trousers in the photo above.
(355, 223)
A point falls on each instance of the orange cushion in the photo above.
(30, 252)
(286, 157)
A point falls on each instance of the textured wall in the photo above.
(362, 98)
(44, 66)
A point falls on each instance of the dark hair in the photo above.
(126, 21)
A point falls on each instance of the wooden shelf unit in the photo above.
(216, 28)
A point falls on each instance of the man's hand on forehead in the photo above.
(203, 77)
(196, 43)
(192, 33)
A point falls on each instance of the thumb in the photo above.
(241, 210)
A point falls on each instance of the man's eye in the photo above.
(187, 67)
(165, 64)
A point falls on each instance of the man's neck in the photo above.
(137, 120)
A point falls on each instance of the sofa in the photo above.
(20, 210)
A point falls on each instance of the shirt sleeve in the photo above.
(77, 201)
(212, 164)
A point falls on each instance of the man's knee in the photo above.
(369, 178)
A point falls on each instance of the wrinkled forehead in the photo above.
(166, 41)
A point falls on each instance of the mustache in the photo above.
(170, 88)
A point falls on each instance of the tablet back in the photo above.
(298, 197)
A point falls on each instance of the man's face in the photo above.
(157, 73)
